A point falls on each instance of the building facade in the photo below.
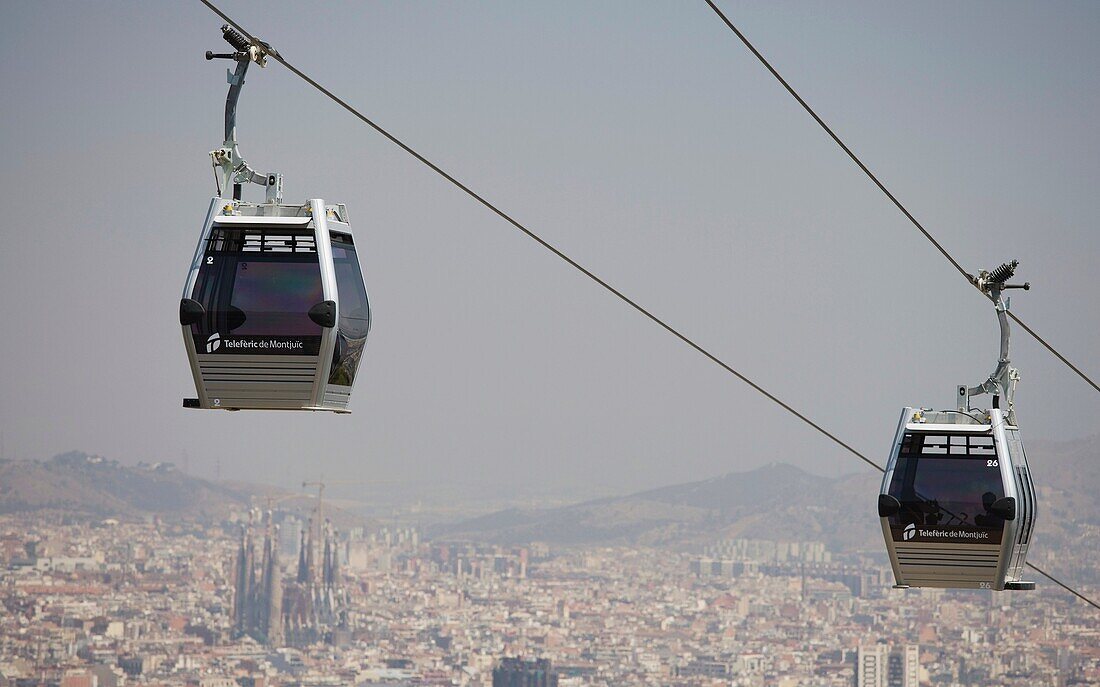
(518, 672)
(879, 665)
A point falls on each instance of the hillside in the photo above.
(781, 502)
(777, 501)
(76, 482)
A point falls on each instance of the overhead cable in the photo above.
(893, 199)
(570, 261)
(547, 245)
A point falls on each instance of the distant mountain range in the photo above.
(778, 502)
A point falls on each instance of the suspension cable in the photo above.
(580, 268)
(893, 199)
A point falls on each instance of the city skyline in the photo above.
(101, 603)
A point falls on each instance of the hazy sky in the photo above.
(642, 139)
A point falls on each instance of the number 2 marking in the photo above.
(210, 260)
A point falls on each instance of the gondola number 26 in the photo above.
(991, 463)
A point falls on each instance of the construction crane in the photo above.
(273, 499)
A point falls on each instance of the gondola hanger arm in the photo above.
(230, 168)
(1002, 382)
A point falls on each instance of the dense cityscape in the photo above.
(276, 598)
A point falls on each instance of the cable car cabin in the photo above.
(957, 503)
(274, 312)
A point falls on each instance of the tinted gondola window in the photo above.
(274, 294)
(355, 315)
(948, 483)
(257, 286)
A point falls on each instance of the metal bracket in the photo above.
(274, 188)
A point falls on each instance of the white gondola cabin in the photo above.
(957, 502)
(274, 312)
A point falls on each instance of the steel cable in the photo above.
(573, 263)
(893, 199)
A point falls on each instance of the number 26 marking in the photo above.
(991, 463)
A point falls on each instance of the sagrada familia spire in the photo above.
(296, 612)
(258, 604)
